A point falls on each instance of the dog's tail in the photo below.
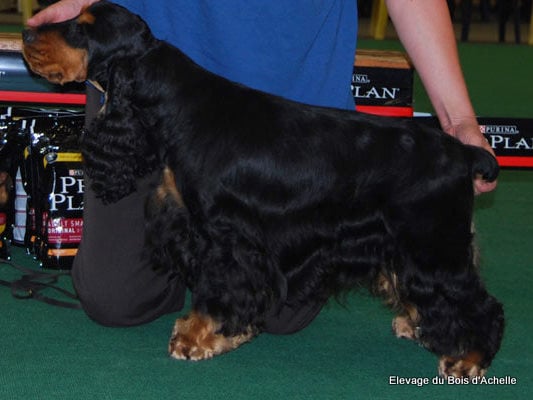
(484, 164)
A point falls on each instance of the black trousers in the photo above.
(115, 285)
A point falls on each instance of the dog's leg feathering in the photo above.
(405, 324)
(468, 365)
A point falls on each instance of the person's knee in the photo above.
(107, 306)
(116, 304)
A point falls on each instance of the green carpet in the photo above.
(346, 353)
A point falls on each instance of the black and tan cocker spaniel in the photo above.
(266, 202)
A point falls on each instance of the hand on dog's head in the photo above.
(86, 46)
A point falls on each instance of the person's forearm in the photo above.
(425, 29)
(60, 11)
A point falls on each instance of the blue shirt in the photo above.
(299, 49)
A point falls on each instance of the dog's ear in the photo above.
(115, 147)
(113, 33)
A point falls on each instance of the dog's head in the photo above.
(87, 46)
(104, 44)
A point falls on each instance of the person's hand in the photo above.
(468, 132)
(58, 12)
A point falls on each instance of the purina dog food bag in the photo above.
(54, 178)
(49, 194)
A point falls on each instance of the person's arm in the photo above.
(425, 29)
(60, 11)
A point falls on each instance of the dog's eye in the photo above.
(55, 76)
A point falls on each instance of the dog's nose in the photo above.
(28, 36)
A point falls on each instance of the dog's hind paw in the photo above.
(195, 338)
(458, 367)
(403, 327)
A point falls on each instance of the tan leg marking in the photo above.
(386, 288)
(195, 338)
(402, 327)
(406, 325)
(467, 366)
(168, 188)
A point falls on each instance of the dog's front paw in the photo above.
(403, 327)
(467, 366)
(195, 338)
